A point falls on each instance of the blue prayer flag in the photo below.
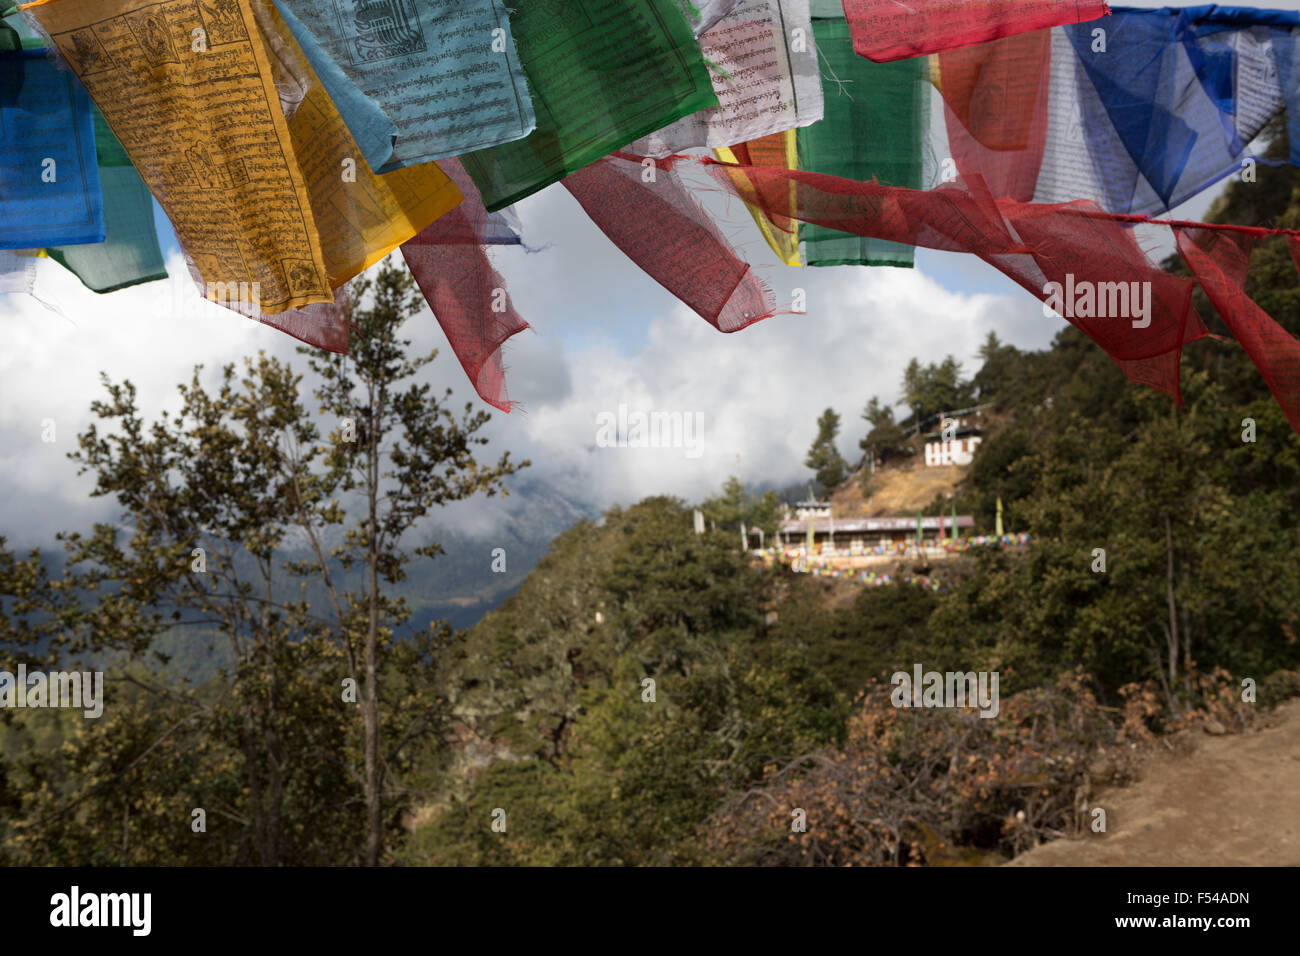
(49, 180)
(441, 77)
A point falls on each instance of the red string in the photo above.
(1092, 214)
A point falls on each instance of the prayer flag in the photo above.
(661, 228)
(1219, 259)
(370, 127)
(17, 272)
(874, 117)
(763, 61)
(466, 294)
(886, 30)
(360, 216)
(1064, 247)
(1169, 100)
(503, 226)
(49, 182)
(779, 151)
(603, 73)
(129, 253)
(1138, 111)
(442, 76)
(206, 132)
(244, 150)
(703, 14)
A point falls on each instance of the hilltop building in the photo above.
(954, 444)
(866, 533)
(811, 508)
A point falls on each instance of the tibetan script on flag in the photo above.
(444, 72)
(204, 127)
(764, 65)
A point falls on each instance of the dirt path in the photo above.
(1232, 801)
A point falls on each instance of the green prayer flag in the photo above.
(875, 115)
(129, 253)
(9, 38)
(602, 74)
(15, 34)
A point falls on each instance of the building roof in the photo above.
(861, 525)
(964, 430)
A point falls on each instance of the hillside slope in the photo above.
(896, 491)
(1214, 801)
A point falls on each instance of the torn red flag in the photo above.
(467, 295)
(1219, 260)
(885, 30)
(1071, 255)
(646, 210)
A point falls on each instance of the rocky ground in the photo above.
(1209, 800)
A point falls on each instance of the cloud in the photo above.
(760, 390)
(151, 334)
(604, 334)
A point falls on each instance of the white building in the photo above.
(812, 509)
(854, 533)
(959, 451)
(954, 443)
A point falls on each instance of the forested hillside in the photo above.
(771, 689)
(650, 695)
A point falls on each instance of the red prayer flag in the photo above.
(468, 297)
(1219, 259)
(1075, 246)
(323, 325)
(997, 115)
(885, 30)
(645, 210)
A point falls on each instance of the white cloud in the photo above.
(151, 334)
(604, 334)
(761, 390)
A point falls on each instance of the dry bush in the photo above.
(933, 786)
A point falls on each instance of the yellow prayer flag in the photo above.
(360, 216)
(231, 130)
(783, 145)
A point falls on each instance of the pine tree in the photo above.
(410, 454)
(823, 457)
